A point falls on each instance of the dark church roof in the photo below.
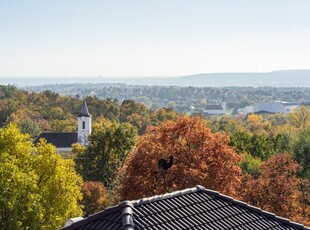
(263, 112)
(214, 107)
(60, 140)
(195, 208)
(84, 111)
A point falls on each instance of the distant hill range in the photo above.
(283, 78)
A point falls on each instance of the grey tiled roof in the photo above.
(195, 208)
(60, 140)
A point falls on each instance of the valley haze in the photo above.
(281, 78)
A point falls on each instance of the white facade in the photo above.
(215, 112)
(216, 109)
(271, 107)
(84, 129)
(224, 106)
(248, 109)
(84, 125)
(59, 150)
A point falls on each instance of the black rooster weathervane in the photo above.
(163, 166)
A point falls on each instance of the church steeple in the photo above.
(224, 102)
(84, 125)
(84, 111)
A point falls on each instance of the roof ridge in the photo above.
(127, 215)
(166, 195)
(253, 208)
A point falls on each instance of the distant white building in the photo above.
(216, 109)
(64, 141)
(271, 107)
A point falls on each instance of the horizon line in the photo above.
(149, 76)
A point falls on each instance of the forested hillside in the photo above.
(48, 111)
(260, 159)
(182, 99)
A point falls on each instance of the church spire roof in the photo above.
(84, 111)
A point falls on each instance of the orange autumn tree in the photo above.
(277, 188)
(199, 157)
(94, 197)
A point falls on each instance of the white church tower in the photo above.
(84, 125)
(224, 103)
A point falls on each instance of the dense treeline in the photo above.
(182, 99)
(261, 159)
(48, 111)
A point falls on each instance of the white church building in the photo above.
(64, 141)
(216, 109)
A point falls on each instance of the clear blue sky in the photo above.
(152, 37)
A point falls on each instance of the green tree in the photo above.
(136, 114)
(250, 164)
(162, 115)
(230, 125)
(109, 145)
(301, 151)
(258, 145)
(68, 125)
(282, 142)
(30, 127)
(38, 189)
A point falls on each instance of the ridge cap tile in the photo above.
(269, 214)
(228, 198)
(253, 208)
(199, 187)
(164, 196)
(298, 225)
(210, 191)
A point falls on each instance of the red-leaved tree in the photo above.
(277, 189)
(199, 157)
(94, 197)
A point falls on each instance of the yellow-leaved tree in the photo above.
(38, 188)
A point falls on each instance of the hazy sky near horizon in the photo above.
(152, 38)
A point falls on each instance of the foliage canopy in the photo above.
(110, 143)
(200, 157)
(38, 189)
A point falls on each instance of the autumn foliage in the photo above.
(94, 197)
(38, 188)
(277, 189)
(200, 157)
